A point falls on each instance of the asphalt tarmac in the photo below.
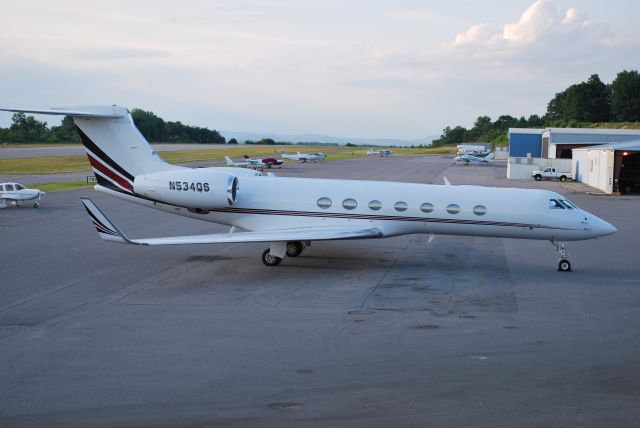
(397, 332)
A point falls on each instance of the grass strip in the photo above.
(60, 186)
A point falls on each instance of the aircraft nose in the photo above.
(601, 228)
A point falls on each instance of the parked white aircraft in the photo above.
(17, 194)
(247, 163)
(472, 149)
(126, 166)
(467, 159)
(301, 157)
(381, 153)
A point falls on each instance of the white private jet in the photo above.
(247, 163)
(467, 159)
(301, 157)
(17, 194)
(312, 209)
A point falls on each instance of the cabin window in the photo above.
(375, 205)
(9, 187)
(349, 204)
(554, 204)
(324, 203)
(1, 187)
(453, 208)
(400, 206)
(479, 210)
(426, 207)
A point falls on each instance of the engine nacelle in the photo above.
(190, 188)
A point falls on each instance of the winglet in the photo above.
(107, 231)
(446, 181)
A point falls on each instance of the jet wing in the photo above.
(109, 232)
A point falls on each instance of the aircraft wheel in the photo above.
(36, 205)
(294, 248)
(269, 259)
(564, 266)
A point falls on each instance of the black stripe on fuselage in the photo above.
(86, 141)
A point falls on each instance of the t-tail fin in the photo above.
(117, 151)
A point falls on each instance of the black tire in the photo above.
(537, 177)
(270, 260)
(563, 178)
(294, 248)
(36, 205)
(564, 266)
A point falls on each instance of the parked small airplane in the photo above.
(472, 149)
(17, 194)
(126, 166)
(301, 157)
(321, 156)
(248, 163)
(381, 153)
(467, 159)
(269, 162)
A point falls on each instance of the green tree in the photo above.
(450, 136)
(625, 96)
(587, 101)
(65, 133)
(232, 141)
(151, 126)
(27, 129)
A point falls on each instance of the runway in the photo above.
(395, 332)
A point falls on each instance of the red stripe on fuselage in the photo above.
(106, 171)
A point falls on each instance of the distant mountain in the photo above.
(324, 139)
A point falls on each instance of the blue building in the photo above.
(525, 142)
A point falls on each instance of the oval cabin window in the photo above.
(479, 210)
(426, 207)
(375, 205)
(324, 203)
(400, 206)
(453, 208)
(349, 204)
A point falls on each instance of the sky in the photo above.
(357, 68)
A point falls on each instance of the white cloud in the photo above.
(540, 22)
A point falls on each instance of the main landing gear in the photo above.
(271, 256)
(563, 264)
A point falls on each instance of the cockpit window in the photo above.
(566, 204)
(19, 187)
(571, 205)
(555, 204)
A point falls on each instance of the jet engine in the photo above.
(190, 188)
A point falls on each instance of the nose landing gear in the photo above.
(563, 264)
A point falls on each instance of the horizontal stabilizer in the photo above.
(109, 232)
(98, 112)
